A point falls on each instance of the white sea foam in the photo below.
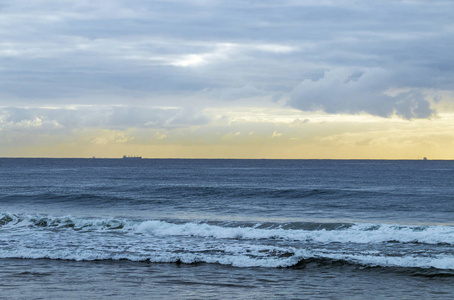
(37, 236)
(442, 262)
(357, 233)
(242, 259)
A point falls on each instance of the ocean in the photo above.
(226, 229)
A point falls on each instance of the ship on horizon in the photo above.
(132, 157)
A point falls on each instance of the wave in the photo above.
(408, 265)
(361, 233)
(177, 192)
(271, 245)
(261, 192)
(300, 259)
(9, 220)
(62, 198)
(356, 233)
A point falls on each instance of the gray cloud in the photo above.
(134, 52)
(355, 91)
(107, 117)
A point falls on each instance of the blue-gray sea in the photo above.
(228, 229)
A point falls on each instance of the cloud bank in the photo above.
(338, 56)
(356, 91)
(106, 117)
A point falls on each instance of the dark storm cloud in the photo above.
(339, 56)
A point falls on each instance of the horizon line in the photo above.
(225, 158)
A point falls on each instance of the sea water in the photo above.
(119, 228)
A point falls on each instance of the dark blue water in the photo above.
(227, 228)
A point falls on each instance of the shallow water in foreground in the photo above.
(44, 279)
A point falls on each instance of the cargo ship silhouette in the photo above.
(131, 157)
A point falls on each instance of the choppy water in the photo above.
(227, 228)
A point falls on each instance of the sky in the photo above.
(314, 79)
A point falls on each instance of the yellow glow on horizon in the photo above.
(255, 133)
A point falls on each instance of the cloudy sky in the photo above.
(229, 79)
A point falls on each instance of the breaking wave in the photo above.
(317, 232)
(271, 245)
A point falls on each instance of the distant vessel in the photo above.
(425, 158)
(131, 157)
